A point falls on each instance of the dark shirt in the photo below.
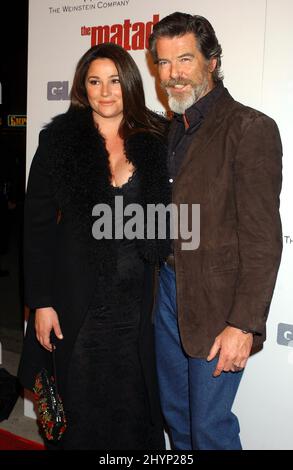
(180, 138)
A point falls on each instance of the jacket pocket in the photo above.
(224, 260)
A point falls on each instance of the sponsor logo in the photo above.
(88, 6)
(285, 334)
(16, 120)
(57, 91)
(122, 3)
(130, 35)
(288, 240)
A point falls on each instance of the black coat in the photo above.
(69, 175)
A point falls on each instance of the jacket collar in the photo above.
(199, 111)
(211, 125)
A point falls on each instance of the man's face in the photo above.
(184, 72)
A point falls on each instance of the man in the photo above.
(213, 302)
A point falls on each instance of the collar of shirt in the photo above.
(199, 110)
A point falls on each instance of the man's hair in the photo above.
(179, 24)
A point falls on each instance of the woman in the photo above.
(96, 294)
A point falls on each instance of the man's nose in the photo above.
(174, 70)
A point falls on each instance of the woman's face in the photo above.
(104, 90)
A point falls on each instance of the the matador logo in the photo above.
(131, 36)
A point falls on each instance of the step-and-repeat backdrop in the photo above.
(256, 37)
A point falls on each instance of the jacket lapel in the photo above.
(204, 135)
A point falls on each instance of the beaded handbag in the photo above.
(50, 407)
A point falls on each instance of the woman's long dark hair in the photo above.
(136, 116)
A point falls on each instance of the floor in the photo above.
(11, 325)
(17, 423)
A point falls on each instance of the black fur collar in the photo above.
(81, 172)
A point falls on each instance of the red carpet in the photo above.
(9, 441)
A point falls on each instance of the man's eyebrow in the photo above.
(187, 54)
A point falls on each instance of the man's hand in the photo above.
(234, 347)
(47, 320)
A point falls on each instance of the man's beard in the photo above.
(180, 103)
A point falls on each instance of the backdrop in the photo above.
(256, 37)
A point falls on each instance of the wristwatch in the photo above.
(243, 331)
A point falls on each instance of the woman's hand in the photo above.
(47, 320)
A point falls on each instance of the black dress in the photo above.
(107, 405)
